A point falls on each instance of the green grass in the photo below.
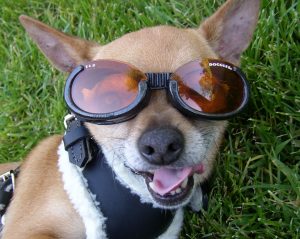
(256, 192)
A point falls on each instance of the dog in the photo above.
(51, 199)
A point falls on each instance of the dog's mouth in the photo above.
(171, 186)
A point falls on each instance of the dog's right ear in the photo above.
(64, 51)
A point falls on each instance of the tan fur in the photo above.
(165, 48)
(40, 208)
(41, 205)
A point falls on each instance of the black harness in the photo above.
(126, 216)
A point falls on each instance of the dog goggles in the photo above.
(108, 91)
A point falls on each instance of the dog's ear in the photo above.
(230, 29)
(64, 51)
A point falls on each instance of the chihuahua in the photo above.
(147, 115)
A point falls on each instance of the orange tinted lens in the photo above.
(210, 86)
(106, 86)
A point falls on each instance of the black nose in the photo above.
(161, 146)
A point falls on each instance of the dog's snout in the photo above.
(161, 146)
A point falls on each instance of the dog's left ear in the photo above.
(229, 30)
(64, 51)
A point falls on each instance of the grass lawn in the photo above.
(256, 192)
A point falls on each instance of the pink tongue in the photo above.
(165, 180)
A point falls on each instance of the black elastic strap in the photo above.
(72, 137)
(77, 142)
(206, 187)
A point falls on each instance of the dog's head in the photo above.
(161, 155)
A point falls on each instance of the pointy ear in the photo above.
(229, 30)
(64, 51)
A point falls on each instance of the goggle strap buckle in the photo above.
(78, 142)
(67, 119)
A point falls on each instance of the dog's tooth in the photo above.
(184, 183)
(178, 190)
(151, 185)
(173, 192)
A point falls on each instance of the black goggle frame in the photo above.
(155, 81)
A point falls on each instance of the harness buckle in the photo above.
(6, 176)
(67, 119)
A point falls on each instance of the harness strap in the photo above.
(77, 142)
(72, 137)
(7, 187)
